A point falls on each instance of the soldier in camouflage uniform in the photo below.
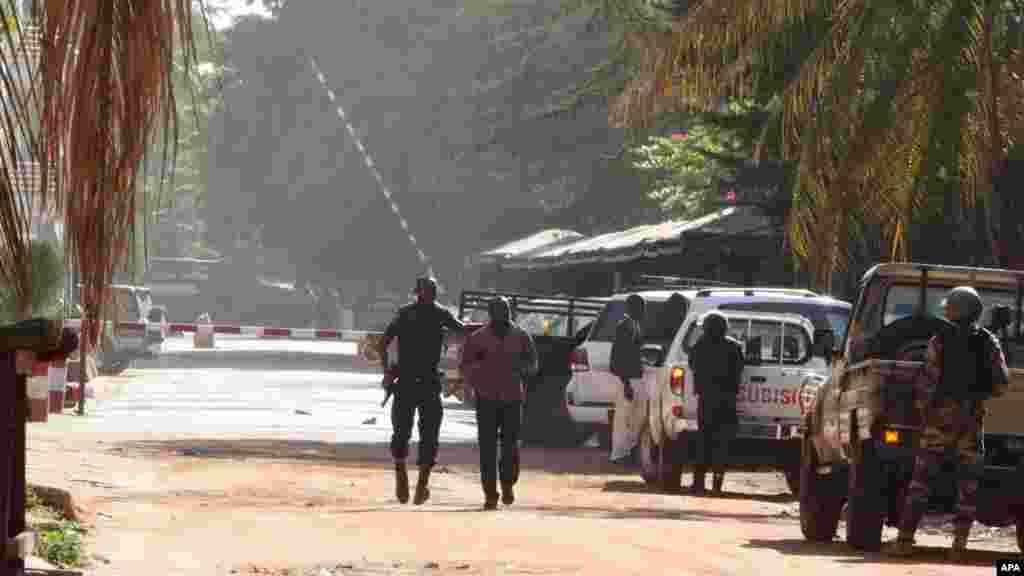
(965, 367)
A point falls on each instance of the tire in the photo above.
(1020, 533)
(904, 335)
(670, 467)
(650, 458)
(865, 514)
(821, 500)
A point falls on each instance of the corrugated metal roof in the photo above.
(648, 241)
(533, 243)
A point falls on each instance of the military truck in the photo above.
(859, 435)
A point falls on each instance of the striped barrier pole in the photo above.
(251, 331)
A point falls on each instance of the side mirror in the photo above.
(652, 355)
(753, 351)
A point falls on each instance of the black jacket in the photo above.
(626, 350)
(420, 329)
(717, 369)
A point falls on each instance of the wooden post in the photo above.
(83, 371)
(14, 394)
(18, 477)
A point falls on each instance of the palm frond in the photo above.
(106, 72)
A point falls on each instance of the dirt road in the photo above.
(188, 506)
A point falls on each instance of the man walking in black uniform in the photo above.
(496, 360)
(420, 329)
(717, 364)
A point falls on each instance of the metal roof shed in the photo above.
(524, 247)
(651, 241)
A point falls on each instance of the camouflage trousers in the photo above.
(951, 435)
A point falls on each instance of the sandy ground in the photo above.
(169, 506)
(185, 504)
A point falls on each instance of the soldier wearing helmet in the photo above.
(965, 367)
(497, 359)
(717, 364)
(420, 330)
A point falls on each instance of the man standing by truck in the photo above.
(626, 364)
(965, 367)
(717, 364)
(420, 329)
(497, 359)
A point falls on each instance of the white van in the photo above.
(785, 322)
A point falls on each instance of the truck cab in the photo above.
(864, 422)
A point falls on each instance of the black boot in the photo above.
(422, 492)
(401, 482)
(716, 483)
(508, 494)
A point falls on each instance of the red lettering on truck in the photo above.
(755, 395)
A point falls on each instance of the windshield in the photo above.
(794, 344)
(836, 318)
(901, 299)
(654, 326)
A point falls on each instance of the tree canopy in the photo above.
(901, 113)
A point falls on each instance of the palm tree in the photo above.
(900, 112)
(84, 87)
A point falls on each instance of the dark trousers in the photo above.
(716, 430)
(409, 398)
(927, 467)
(496, 419)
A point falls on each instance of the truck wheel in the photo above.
(821, 500)
(865, 512)
(1020, 533)
(670, 467)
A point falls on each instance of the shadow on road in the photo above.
(580, 461)
(639, 513)
(639, 487)
(846, 555)
(596, 512)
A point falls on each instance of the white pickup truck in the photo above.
(779, 358)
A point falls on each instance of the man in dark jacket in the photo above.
(420, 330)
(717, 363)
(626, 364)
(496, 360)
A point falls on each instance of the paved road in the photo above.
(300, 390)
